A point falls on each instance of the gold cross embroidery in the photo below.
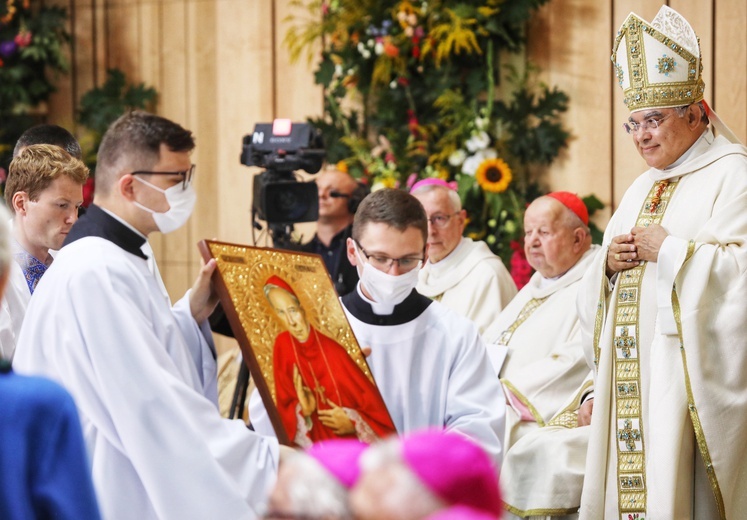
(629, 435)
(625, 342)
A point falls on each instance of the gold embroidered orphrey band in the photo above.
(526, 311)
(631, 484)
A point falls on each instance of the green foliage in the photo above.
(101, 106)
(32, 44)
(410, 92)
(593, 204)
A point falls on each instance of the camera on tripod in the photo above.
(282, 147)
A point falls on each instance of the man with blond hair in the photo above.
(44, 191)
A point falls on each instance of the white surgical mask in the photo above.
(181, 203)
(385, 289)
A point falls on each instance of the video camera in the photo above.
(282, 147)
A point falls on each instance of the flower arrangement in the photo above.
(32, 41)
(411, 92)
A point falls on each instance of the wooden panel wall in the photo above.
(219, 67)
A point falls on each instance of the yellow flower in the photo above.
(493, 175)
(342, 166)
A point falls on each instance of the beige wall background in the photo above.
(220, 67)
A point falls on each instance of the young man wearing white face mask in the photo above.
(143, 373)
(429, 363)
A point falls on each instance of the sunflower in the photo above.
(493, 175)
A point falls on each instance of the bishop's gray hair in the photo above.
(313, 491)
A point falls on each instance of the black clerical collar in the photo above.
(98, 223)
(412, 307)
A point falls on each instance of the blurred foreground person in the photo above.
(43, 464)
(315, 483)
(422, 474)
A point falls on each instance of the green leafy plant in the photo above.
(101, 106)
(32, 43)
(411, 92)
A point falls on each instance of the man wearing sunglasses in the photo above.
(429, 362)
(142, 372)
(663, 311)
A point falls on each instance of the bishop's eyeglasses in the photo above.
(185, 174)
(441, 220)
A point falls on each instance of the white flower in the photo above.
(378, 185)
(457, 157)
(472, 162)
(379, 48)
(361, 47)
(393, 84)
(478, 141)
(481, 123)
(338, 70)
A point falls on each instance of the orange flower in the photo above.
(342, 166)
(390, 49)
(493, 175)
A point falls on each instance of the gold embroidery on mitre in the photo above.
(654, 69)
(629, 432)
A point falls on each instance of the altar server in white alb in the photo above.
(545, 374)
(462, 274)
(430, 363)
(44, 191)
(663, 312)
(142, 373)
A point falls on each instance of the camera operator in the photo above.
(339, 196)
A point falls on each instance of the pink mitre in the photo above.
(340, 457)
(454, 468)
(433, 181)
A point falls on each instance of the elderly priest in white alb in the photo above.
(142, 373)
(663, 312)
(462, 274)
(545, 374)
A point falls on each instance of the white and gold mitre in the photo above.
(658, 64)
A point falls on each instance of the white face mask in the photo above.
(385, 288)
(181, 203)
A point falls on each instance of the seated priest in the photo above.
(320, 392)
(462, 274)
(545, 373)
